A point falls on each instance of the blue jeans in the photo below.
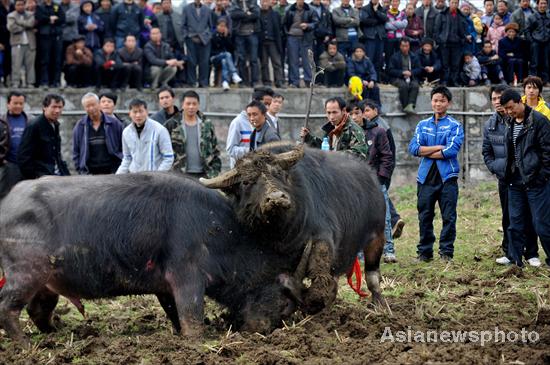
(247, 47)
(226, 61)
(197, 54)
(521, 201)
(297, 49)
(388, 247)
(446, 194)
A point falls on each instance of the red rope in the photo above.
(356, 270)
(2, 282)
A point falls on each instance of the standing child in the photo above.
(437, 141)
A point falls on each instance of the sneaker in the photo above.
(409, 109)
(389, 258)
(225, 85)
(422, 258)
(503, 261)
(398, 228)
(236, 79)
(446, 258)
(534, 261)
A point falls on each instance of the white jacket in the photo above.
(238, 138)
(151, 151)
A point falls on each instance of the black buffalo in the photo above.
(98, 237)
(293, 197)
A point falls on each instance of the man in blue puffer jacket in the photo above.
(437, 140)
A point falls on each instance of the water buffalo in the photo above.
(105, 236)
(288, 196)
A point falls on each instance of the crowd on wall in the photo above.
(246, 42)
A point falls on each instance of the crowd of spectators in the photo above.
(140, 44)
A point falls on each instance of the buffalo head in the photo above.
(261, 187)
(264, 308)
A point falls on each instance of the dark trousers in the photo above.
(408, 91)
(297, 50)
(375, 51)
(521, 201)
(78, 75)
(9, 176)
(345, 48)
(197, 54)
(132, 76)
(390, 47)
(270, 52)
(111, 78)
(246, 47)
(335, 78)
(511, 66)
(446, 195)
(451, 55)
(493, 72)
(430, 77)
(531, 246)
(539, 60)
(372, 94)
(50, 55)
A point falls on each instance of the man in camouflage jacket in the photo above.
(207, 142)
(342, 132)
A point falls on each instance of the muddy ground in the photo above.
(135, 331)
(471, 294)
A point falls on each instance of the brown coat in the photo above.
(87, 58)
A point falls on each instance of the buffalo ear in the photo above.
(288, 159)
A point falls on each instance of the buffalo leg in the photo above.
(40, 309)
(169, 305)
(373, 253)
(188, 291)
(324, 287)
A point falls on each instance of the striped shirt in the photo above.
(518, 127)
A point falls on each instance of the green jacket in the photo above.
(209, 152)
(351, 140)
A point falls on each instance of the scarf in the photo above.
(337, 131)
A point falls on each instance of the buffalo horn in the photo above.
(221, 181)
(288, 159)
(300, 272)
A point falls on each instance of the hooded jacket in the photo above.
(542, 106)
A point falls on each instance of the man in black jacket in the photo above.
(405, 69)
(299, 24)
(40, 149)
(131, 57)
(527, 171)
(450, 34)
(109, 69)
(50, 19)
(493, 150)
(126, 18)
(427, 13)
(538, 33)
(271, 44)
(372, 18)
(245, 15)
(162, 61)
(323, 31)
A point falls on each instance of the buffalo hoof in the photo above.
(191, 329)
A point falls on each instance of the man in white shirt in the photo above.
(146, 144)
